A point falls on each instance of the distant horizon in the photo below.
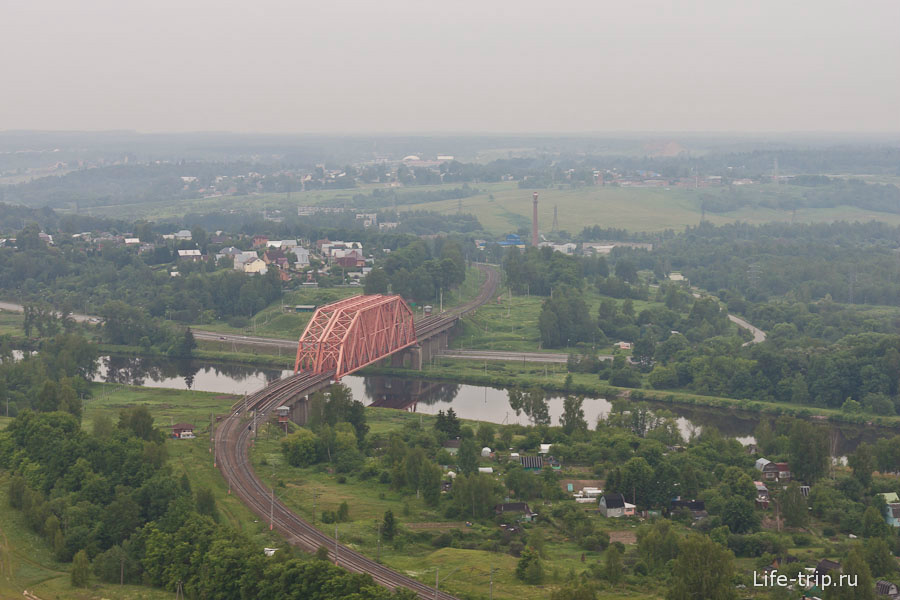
(472, 133)
(354, 68)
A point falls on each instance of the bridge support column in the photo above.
(300, 410)
(416, 354)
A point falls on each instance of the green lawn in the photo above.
(513, 324)
(11, 323)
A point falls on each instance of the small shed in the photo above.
(545, 448)
(451, 446)
(486, 452)
(886, 588)
(485, 470)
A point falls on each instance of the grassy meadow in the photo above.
(504, 207)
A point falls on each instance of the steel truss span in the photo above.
(349, 334)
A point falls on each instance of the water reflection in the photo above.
(184, 374)
(428, 397)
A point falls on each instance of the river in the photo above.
(428, 397)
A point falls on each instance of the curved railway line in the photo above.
(232, 444)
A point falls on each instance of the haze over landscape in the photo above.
(399, 300)
(405, 66)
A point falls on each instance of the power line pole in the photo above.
(335, 545)
(272, 511)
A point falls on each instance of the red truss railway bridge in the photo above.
(341, 338)
(349, 334)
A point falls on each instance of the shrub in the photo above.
(238, 322)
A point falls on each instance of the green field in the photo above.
(504, 207)
(11, 323)
(512, 324)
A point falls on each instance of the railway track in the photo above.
(233, 438)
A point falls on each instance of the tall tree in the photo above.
(703, 569)
(793, 506)
(572, 418)
(808, 451)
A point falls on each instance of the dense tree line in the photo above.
(419, 272)
(53, 379)
(849, 263)
(108, 501)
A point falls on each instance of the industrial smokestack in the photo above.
(534, 234)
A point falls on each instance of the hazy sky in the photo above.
(460, 66)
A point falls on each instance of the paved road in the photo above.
(507, 355)
(758, 334)
(12, 307)
(244, 339)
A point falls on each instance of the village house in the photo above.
(773, 471)
(260, 241)
(255, 266)
(183, 431)
(697, 508)
(275, 255)
(892, 513)
(762, 495)
(516, 508)
(192, 255)
(182, 236)
(824, 568)
(614, 505)
(242, 258)
(302, 255)
(451, 446)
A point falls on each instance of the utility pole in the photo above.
(335, 545)
(272, 511)
(378, 552)
(437, 572)
(492, 583)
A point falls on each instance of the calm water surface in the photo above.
(428, 397)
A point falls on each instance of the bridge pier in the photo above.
(299, 405)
